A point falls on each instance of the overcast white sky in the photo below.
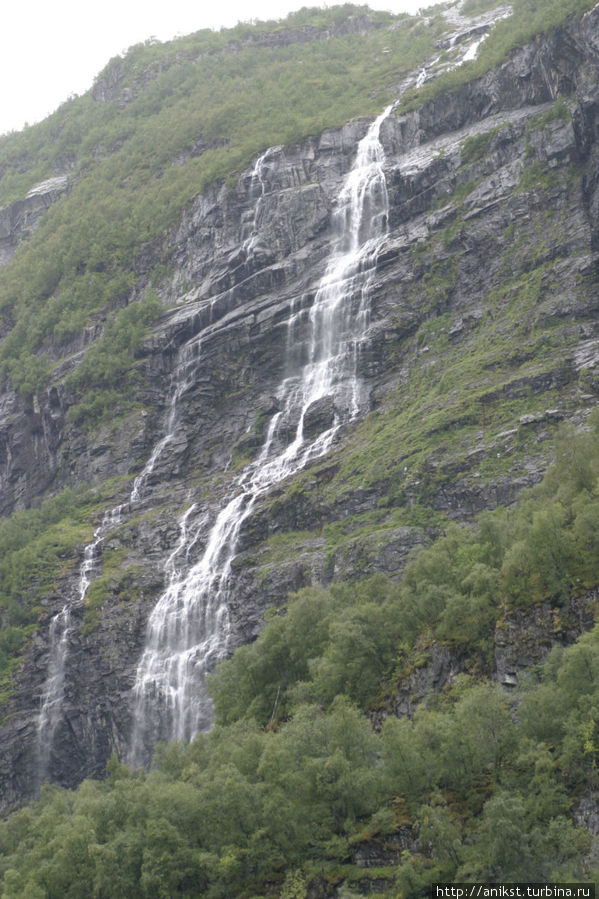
(50, 49)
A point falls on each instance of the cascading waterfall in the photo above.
(188, 631)
(258, 188)
(53, 691)
(91, 554)
(61, 626)
(184, 378)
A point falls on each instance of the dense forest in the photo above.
(313, 782)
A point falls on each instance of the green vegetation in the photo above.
(529, 18)
(346, 640)
(37, 548)
(197, 110)
(164, 123)
(476, 146)
(117, 582)
(280, 797)
(294, 783)
(106, 371)
(558, 111)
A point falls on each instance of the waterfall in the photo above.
(184, 378)
(53, 691)
(91, 554)
(258, 188)
(188, 630)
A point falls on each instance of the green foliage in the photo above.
(198, 110)
(558, 111)
(535, 176)
(529, 18)
(476, 146)
(328, 643)
(116, 583)
(242, 807)
(293, 777)
(212, 819)
(345, 640)
(37, 547)
(107, 368)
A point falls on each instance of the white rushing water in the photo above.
(51, 702)
(184, 378)
(61, 626)
(53, 691)
(189, 629)
(258, 189)
(91, 554)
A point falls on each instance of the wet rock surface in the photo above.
(239, 271)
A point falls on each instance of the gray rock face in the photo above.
(525, 638)
(19, 219)
(242, 261)
(438, 667)
(320, 416)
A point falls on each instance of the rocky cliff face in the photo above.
(19, 220)
(482, 337)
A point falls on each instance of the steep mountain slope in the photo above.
(230, 402)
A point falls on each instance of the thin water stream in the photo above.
(61, 626)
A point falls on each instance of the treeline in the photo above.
(349, 638)
(293, 783)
